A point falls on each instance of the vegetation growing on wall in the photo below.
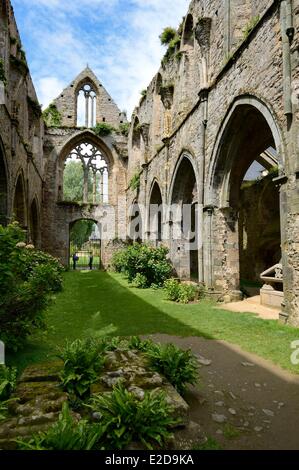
(102, 129)
(171, 38)
(250, 26)
(134, 184)
(124, 128)
(52, 116)
(2, 72)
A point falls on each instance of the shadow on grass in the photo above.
(96, 304)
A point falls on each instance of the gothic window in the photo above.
(85, 176)
(86, 106)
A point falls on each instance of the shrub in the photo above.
(83, 360)
(167, 35)
(172, 288)
(140, 281)
(177, 365)
(145, 260)
(187, 293)
(182, 293)
(28, 279)
(125, 128)
(126, 418)
(66, 434)
(102, 129)
(8, 380)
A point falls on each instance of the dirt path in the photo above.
(258, 401)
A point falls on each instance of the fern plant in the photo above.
(178, 366)
(125, 418)
(83, 360)
(8, 381)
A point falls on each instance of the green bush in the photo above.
(146, 261)
(177, 365)
(124, 128)
(103, 129)
(52, 116)
(182, 293)
(168, 34)
(126, 418)
(66, 434)
(140, 281)
(8, 381)
(83, 360)
(28, 279)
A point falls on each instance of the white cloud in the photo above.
(125, 61)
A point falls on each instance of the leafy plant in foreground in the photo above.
(83, 360)
(125, 418)
(8, 381)
(66, 434)
(178, 366)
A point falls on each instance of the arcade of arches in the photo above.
(209, 167)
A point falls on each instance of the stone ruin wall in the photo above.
(21, 125)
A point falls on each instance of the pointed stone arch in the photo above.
(183, 217)
(19, 201)
(3, 186)
(88, 138)
(34, 222)
(248, 129)
(156, 212)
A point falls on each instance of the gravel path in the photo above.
(242, 401)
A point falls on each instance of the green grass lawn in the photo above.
(98, 303)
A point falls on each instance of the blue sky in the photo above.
(119, 40)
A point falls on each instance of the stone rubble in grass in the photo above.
(39, 397)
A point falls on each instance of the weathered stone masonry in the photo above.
(229, 92)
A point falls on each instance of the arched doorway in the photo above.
(19, 205)
(245, 199)
(34, 224)
(156, 214)
(3, 188)
(85, 244)
(184, 223)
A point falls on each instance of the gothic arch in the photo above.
(34, 222)
(187, 36)
(183, 217)
(248, 129)
(185, 155)
(3, 186)
(90, 97)
(86, 137)
(264, 127)
(19, 202)
(156, 212)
